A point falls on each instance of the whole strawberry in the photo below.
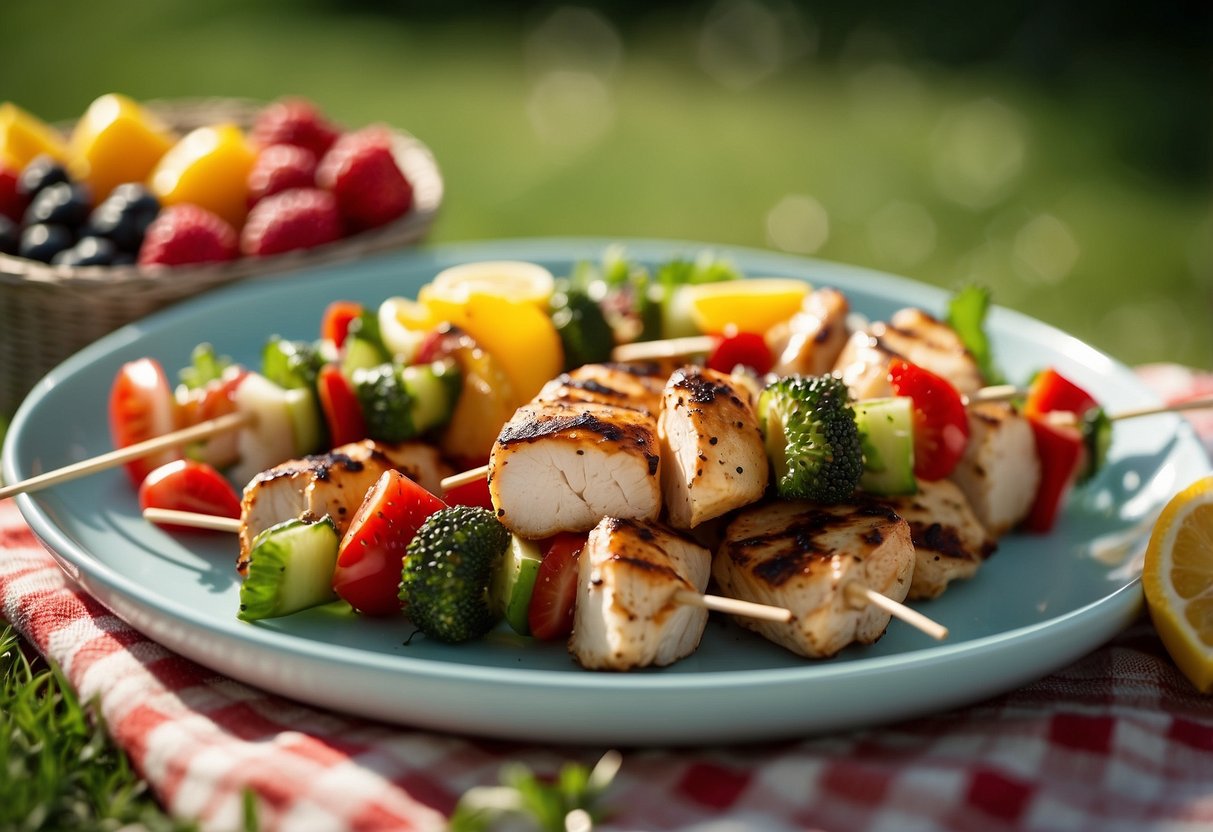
(362, 173)
(12, 202)
(296, 219)
(294, 121)
(279, 168)
(184, 234)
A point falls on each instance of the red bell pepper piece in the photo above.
(1050, 391)
(335, 325)
(1063, 456)
(339, 403)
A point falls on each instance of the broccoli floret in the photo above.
(811, 438)
(448, 568)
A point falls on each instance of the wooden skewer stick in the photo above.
(1191, 404)
(192, 519)
(994, 393)
(471, 475)
(717, 603)
(859, 594)
(666, 348)
(202, 430)
(733, 606)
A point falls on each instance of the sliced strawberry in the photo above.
(371, 555)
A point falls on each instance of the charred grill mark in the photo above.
(590, 385)
(529, 430)
(824, 334)
(700, 389)
(940, 538)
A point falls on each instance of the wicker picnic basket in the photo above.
(47, 313)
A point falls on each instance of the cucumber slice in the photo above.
(433, 390)
(361, 354)
(286, 424)
(307, 424)
(886, 430)
(513, 583)
(290, 569)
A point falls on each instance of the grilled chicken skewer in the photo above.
(332, 484)
(682, 595)
(804, 556)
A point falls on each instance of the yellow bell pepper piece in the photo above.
(519, 336)
(750, 305)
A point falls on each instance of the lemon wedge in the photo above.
(513, 280)
(1178, 581)
(753, 305)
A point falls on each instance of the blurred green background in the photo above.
(1056, 152)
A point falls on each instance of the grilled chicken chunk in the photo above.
(915, 336)
(810, 342)
(563, 467)
(1000, 471)
(637, 386)
(626, 616)
(333, 483)
(712, 454)
(420, 462)
(949, 541)
(801, 556)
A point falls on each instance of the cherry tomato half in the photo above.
(941, 425)
(474, 493)
(371, 554)
(142, 407)
(187, 485)
(554, 598)
(748, 349)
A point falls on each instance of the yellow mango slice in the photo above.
(24, 136)
(116, 141)
(208, 167)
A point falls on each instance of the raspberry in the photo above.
(12, 201)
(294, 121)
(295, 219)
(279, 168)
(185, 234)
(362, 172)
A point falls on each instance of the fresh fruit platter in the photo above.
(137, 205)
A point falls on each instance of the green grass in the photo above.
(60, 769)
(942, 176)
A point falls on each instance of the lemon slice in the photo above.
(1178, 581)
(513, 280)
(403, 325)
(753, 305)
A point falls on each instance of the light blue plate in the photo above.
(1038, 604)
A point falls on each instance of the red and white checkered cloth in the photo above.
(1118, 741)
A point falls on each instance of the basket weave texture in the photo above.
(47, 313)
